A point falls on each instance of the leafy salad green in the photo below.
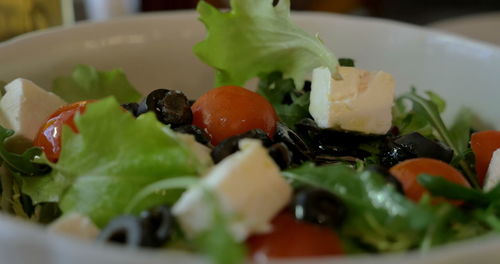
(120, 164)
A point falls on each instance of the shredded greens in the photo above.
(290, 105)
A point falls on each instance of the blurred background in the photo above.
(20, 16)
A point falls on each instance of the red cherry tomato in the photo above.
(292, 238)
(231, 110)
(483, 145)
(49, 135)
(408, 171)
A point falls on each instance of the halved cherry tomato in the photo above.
(408, 171)
(292, 238)
(483, 145)
(231, 110)
(49, 135)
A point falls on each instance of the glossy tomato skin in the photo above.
(291, 238)
(49, 135)
(408, 171)
(231, 110)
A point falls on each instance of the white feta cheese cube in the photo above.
(361, 101)
(24, 108)
(493, 174)
(248, 185)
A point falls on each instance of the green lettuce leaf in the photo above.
(87, 83)
(256, 38)
(109, 161)
(277, 90)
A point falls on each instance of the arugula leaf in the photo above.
(110, 160)
(438, 101)
(255, 38)
(19, 163)
(87, 83)
(430, 110)
(277, 91)
(439, 186)
(346, 62)
(378, 215)
(460, 131)
(218, 242)
(409, 121)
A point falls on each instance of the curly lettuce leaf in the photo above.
(256, 38)
(87, 83)
(109, 161)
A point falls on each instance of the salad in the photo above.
(322, 160)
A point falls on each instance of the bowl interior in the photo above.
(155, 51)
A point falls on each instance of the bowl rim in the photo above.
(487, 243)
(58, 30)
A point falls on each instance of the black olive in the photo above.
(328, 142)
(132, 108)
(170, 107)
(319, 207)
(388, 177)
(425, 148)
(307, 128)
(294, 142)
(392, 153)
(149, 102)
(159, 223)
(230, 145)
(281, 155)
(128, 230)
(198, 133)
(307, 86)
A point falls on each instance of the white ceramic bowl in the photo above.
(155, 51)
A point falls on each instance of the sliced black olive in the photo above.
(132, 108)
(230, 145)
(198, 133)
(294, 142)
(128, 230)
(281, 155)
(425, 148)
(393, 153)
(320, 160)
(319, 207)
(411, 146)
(307, 128)
(159, 223)
(150, 101)
(389, 178)
(329, 142)
(170, 107)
